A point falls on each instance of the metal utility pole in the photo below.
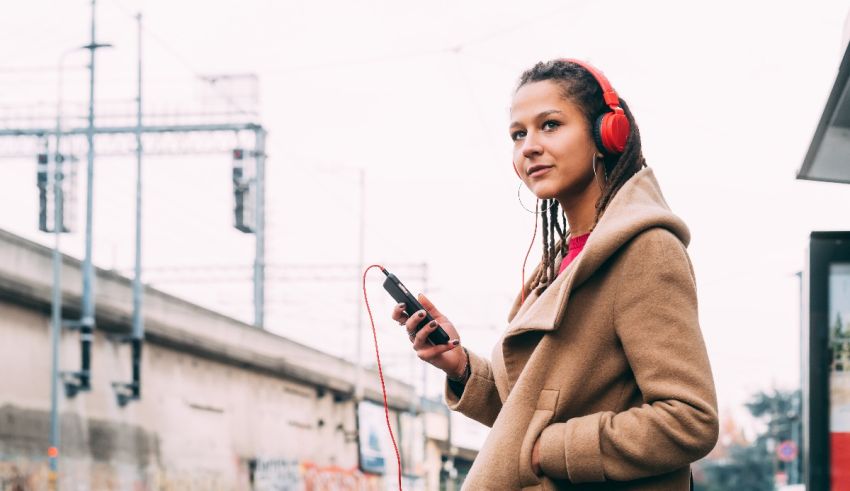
(87, 319)
(138, 326)
(126, 392)
(361, 240)
(56, 320)
(260, 231)
(80, 381)
(56, 304)
(56, 300)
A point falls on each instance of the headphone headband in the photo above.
(608, 92)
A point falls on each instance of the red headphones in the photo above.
(611, 129)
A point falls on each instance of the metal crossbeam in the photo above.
(166, 129)
(116, 130)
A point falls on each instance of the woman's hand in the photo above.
(443, 356)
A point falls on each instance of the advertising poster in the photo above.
(377, 455)
(839, 376)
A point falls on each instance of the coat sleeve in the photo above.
(480, 400)
(655, 316)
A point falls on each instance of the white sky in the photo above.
(727, 95)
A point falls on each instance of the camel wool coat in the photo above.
(607, 367)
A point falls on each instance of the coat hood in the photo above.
(638, 206)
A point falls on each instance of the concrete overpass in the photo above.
(224, 405)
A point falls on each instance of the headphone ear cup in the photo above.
(597, 134)
(613, 129)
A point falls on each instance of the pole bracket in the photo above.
(125, 392)
(73, 382)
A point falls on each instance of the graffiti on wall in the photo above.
(332, 478)
(23, 476)
(275, 474)
(262, 475)
(292, 475)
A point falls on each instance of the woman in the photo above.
(601, 380)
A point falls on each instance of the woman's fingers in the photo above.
(427, 305)
(421, 342)
(431, 352)
(398, 314)
(426, 351)
(414, 321)
(421, 339)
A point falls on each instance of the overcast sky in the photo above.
(727, 96)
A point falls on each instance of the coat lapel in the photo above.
(541, 313)
(638, 205)
(534, 319)
(544, 313)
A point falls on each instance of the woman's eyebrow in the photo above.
(538, 117)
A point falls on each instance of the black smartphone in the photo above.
(401, 294)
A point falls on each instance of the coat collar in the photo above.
(637, 206)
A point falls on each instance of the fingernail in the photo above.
(455, 342)
(432, 324)
(401, 305)
(421, 313)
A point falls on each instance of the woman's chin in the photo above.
(543, 192)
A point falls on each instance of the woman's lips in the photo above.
(538, 170)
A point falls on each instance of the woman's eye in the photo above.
(518, 135)
(551, 125)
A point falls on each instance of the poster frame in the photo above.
(825, 248)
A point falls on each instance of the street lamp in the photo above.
(56, 301)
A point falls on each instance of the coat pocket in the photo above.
(541, 418)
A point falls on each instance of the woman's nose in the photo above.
(530, 147)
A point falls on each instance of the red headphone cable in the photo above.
(375, 336)
(380, 370)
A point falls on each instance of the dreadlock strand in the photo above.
(556, 212)
(561, 245)
(538, 272)
(553, 217)
(564, 242)
(552, 254)
(545, 278)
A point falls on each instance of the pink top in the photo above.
(574, 246)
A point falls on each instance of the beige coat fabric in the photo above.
(607, 367)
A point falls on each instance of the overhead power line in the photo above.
(14, 70)
(211, 81)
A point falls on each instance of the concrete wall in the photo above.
(224, 405)
(200, 422)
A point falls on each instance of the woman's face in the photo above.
(553, 147)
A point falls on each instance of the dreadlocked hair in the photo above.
(581, 87)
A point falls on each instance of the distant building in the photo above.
(224, 405)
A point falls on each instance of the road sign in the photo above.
(787, 451)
